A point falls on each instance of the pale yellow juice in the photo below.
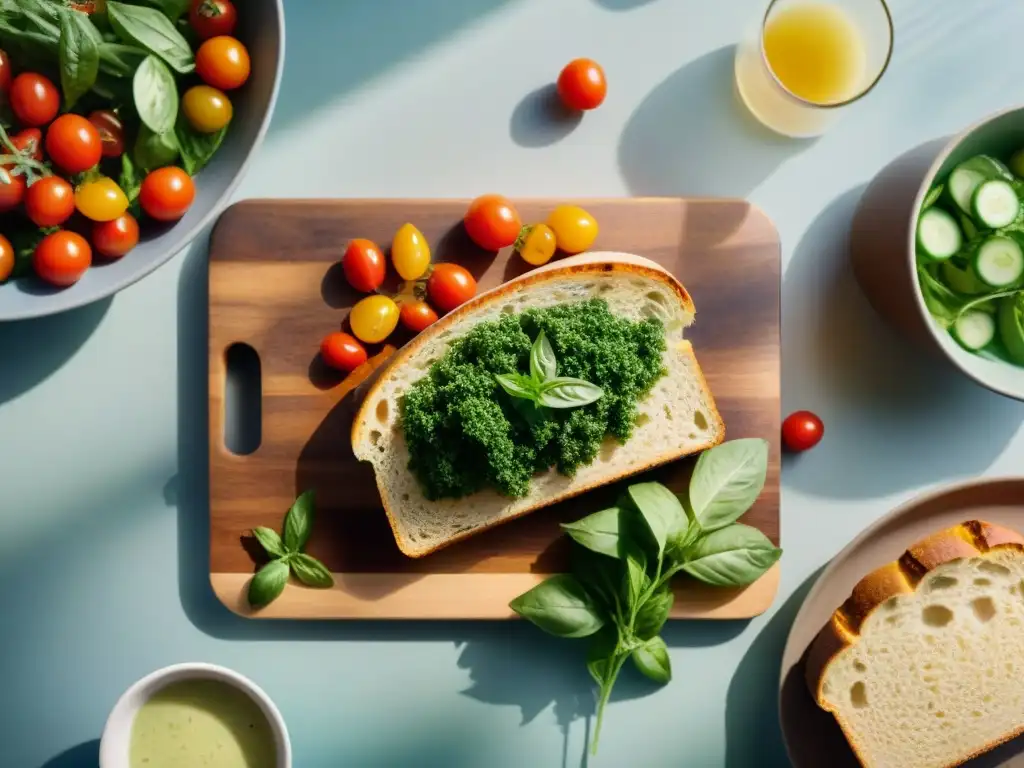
(201, 724)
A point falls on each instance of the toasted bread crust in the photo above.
(901, 576)
(578, 265)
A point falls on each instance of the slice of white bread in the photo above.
(677, 418)
(922, 666)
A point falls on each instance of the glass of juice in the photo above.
(807, 59)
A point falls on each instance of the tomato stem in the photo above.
(524, 233)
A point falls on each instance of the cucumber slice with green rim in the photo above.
(995, 203)
(999, 262)
(938, 235)
(974, 329)
(966, 177)
(962, 280)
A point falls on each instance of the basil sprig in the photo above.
(619, 592)
(544, 387)
(287, 556)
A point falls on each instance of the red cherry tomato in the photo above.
(581, 84)
(450, 285)
(210, 18)
(167, 193)
(223, 62)
(114, 238)
(62, 258)
(111, 131)
(6, 258)
(29, 141)
(492, 222)
(50, 201)
(801, 431)
(416, 315)
(12, 190)
(6, 75)
(73, 143)
(34, 99)
(342, 352)
(364, 265)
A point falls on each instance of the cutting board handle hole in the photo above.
(243, 398)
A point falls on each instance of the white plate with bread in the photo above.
(908, 652)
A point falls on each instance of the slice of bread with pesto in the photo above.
(459, 444)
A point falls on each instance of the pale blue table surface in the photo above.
(102, 438)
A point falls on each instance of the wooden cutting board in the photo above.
(276, 286)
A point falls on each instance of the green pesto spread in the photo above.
(465, 433)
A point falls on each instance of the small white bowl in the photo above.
(116, 738)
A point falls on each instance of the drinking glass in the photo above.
(805, 60)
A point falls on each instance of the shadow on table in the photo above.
(364, 38)
(621, 5)
(854, 366)
(692, 135)
(86, 755)
(34, 349)
(540, 119)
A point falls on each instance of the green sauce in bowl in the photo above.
(201, 723)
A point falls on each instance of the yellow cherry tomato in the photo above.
(410, 252)
(207, 109)
(537, 244)
(373, 319)
(575, 229)
(100, 199)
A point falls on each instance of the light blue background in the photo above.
(102, 440)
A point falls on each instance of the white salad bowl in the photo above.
(883, 242)
(116, 739)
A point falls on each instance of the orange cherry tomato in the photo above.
(50, 201)
(210, 18)
(114, 238)
(801, 431)
(167, 193)
(450, 285)
(34, 99)
(223, 62)
(581, 84)
(73, 143)
(111, 131)
(62, 258)
(492, 222)
(342, 352)
(30, 142)
(364, 265)
(6, 258)
(12, 190)
(417, 315)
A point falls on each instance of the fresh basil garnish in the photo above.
(79, 53)
(543, 387)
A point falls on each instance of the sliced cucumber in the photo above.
(962, 280)
(974, 329)
(938, 235)
(995, 203)
(999, 262)
(966, 177)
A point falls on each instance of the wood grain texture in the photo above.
(276, 285)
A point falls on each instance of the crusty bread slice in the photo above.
(922, 665)
(677, 418)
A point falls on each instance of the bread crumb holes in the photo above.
(859, 695)
(936, 615)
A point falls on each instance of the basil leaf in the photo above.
(560, 606)
(653, 661)
(196, 148)
(172, 9)
(269, 540)
(599, 575)
(731, 557)
(298, 523)
(933, 194)
(727, 480)
(150, 29)
(311, 571)
(155, 95)
(268, 583)
(660, 509)
(598, 532)
(941, 302)
(130, 183)
(79, 55)
(565, 392)
(1011, 326)
(601, 654)
(154, 150)
(635, 580)
(543, 363)
(517, 385)
(532, 413)
(654, 612)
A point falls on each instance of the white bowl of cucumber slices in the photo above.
(937, 244)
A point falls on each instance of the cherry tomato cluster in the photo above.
(427, 289)
(568, 228)
(58, 167)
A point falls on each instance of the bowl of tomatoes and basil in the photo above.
(124, 127)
